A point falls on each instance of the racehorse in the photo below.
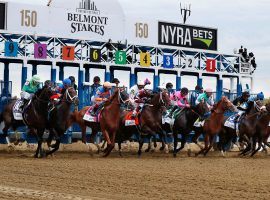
(77, 117)
(151, 118)
(227, 134)
(213, 124)
(34, 116)
(59, 117)
(110, 117)
(184, 123)
(259, 133)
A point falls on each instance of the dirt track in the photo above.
(76, 175)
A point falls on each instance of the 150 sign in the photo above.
(28, 18)
(141, 30)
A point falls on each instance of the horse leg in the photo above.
(110, 143)
(195, 138)
(56, 145)
(211, 139)
(149, 144)
(175, 142)
(206, 143)
(258, 148)
(183, 142)
(120, 149)
(141, 140)
(5, 134)
(38, 153)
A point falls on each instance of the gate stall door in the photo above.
(97, 72)
(15, 75)
(71, 71)
(44, 72)
(141, 76)
(2, 16)
(189, 82)
(167, 78)
(123, 77)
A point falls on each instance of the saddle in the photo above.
(92, 118)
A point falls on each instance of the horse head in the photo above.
(44, 94)
(225, 104)
(161, 99)
(71, 96)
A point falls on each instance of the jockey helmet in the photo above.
(147, 82)
(72, 78)
(107, 85)
(260, 96)
(67, 82)
(208, 90)
(169, 85)
(246, 94)
(116, 81)
(140, 83)
(35, 80)
(96, 79)
(184, 91)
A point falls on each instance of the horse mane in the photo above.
(250, 105)
(109, 101)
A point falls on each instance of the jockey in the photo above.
(180, 99)
(60, 89)
(136, 88)
(103, 94)
(73, 84)
(241, 102)
(94, 87)
(140, 99)
(169, 87)
(207, 97)
(29, 89)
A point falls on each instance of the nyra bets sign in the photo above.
(180, 35)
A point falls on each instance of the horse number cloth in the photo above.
(88, 117)
(198, 123)
(129, 121)
(230, 122)
(17, 111)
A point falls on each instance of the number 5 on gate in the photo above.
(145, 59)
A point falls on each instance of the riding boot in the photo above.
(94, 110)
(172, 111)
(135, 112)
(23, 104)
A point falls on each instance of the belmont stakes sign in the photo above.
(181, 35)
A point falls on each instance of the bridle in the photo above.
(69, 98)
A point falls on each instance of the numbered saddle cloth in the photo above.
(231, 122)
(18, 110)
(130, 121)
(199, 123)
(90, 118)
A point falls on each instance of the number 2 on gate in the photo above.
(145, 59)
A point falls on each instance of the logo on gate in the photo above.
(87, 18)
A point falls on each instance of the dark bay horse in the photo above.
(34, 116)
(110, 117)
(227, 134)
(213, 124)
(260, 134)
(59, 117)
(151, 118)
(184, 123)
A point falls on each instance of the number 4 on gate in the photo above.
(145, 59)
(11, 49)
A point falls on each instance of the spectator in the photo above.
(198, 90)
(95, 86)
(73, 84)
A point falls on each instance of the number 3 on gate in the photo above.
(145, 59)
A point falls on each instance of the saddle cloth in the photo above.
(230, 122)
(17, 110)
(130, 121)
(198, 123)
(90, 118)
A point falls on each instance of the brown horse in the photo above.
(151, 118)
(110, 117)
(261, 131)
(34, 116)
(59, 118)
(213, 124)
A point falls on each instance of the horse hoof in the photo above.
(147, 150)
(161, 148)
(196, 154)
(174, 155)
